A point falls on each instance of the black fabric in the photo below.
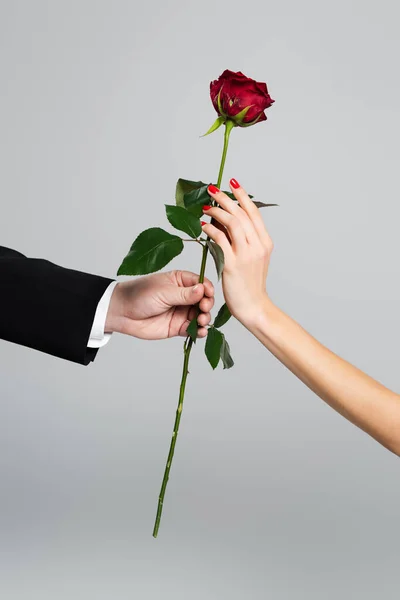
(47, 307)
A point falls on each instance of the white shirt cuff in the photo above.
(97, 337)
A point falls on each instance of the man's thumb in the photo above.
(191, 295)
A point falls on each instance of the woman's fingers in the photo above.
(221, 227)
(238, 230)
(232, 208)
(232, 224)
(251, 210)
(219, 238)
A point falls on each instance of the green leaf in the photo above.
(212, 346)
(215, 126)
(196, 199)
(150, 252)
(262, 204)
(225, 353)
(258, 204)
(223, 316)
(183, 186)
(233, 197)
(218, 256)
(192, 329)
(183, 220)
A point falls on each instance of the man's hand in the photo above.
(160, 306)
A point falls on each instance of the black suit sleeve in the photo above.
(47, 307)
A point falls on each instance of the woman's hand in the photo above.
(247, 248)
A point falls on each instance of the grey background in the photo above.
(272, 494)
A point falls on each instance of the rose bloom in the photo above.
(232, 93)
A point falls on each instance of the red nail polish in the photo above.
(203, 223)
(206, 207)
(213, 189)
(235, 184)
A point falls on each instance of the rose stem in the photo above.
(187, 348)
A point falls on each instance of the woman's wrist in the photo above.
(260, 317)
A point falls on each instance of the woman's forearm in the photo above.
(247, 248)
(362, 400)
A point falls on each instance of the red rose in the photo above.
(239, 98)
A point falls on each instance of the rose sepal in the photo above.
(215, 126)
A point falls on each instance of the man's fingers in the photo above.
(189, 279)
(174, 295)
(191, 296)
(204, 319)
(208, 288)
(201, 332)
(186, 278)
(206, 304)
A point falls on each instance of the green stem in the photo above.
(187, 350)
(229, 125)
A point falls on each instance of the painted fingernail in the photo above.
(235, 184)
(213, 189)
(203, 223)
(206, 207)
